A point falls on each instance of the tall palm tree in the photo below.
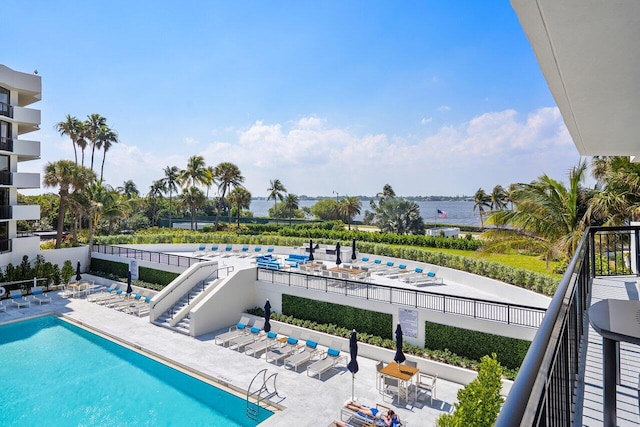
(156, 190)
(66, 175)
(276, 191)
(548, 217)
(211, 180)
(170, 180)
(71, 127)
(227, 175)
(481, 201)
(195, 173)
(241, 197)
(290, 204)
(93, 127)
(618, 202)
(499, 198)
(106, 137)
(387, 193)
(349, 207)
(129, 190)
(193, 198)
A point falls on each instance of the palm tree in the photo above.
(387, 193)
(499, 198)
(193, 198)
(66, 175)
(156, 189)
(290, 204)
(399, 216)
(106, 138)
(210, 179)
(129, 190)
(170, 180)
(548, 217)
(241, 197)
(227, 175)
(618, 202)
(349, 207)
(72, 127)
(195, 173)
(276, 191)
(482, 200)
(93, 126)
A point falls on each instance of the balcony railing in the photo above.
(6, 144)
(5, 212)
(512, 314)
(6, 178)
(546, 390)
(6, 110)
(157, 257)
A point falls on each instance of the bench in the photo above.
(295, 259)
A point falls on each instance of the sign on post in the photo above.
(133, 267)
(409, 322)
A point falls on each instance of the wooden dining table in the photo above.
(404, 373)
(352, 271)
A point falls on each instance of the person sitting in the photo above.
(391, 419)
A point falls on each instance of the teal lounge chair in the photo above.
(240, 342)
(309, 350)
(330, 360)
(39, 295)
(234, 331)
(18, 299)
(257, 347)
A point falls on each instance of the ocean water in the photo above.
(458, 212)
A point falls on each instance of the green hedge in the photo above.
(474, 344)
(369, 322)
(120, 269)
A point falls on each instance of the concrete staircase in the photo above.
(183, 326)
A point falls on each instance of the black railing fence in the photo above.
(512, 314)
(545, 392)
(157, 257)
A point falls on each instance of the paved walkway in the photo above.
(306, 401)
(625, 288)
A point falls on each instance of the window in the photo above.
(6, 143)
(5, 243)
(5, 102)
(5, 164)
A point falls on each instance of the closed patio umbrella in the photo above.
(338, 260)
(352, 366)
(129, 288)
(267, 316)
(353, 250)
(78, 276)
(399, 357)
(311, 250)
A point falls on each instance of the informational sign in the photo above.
(133, 267)
(408, 322)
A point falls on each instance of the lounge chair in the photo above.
(309, 350)
(228, 251)
(331, 358)
(255, 348)
(357, 418)
(239, 342)
(18, 299)
(234, 331)
(276, 354)
(107, 293)
(3, 307)
(140, 308)
(39, 295)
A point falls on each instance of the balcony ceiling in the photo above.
(589, 53)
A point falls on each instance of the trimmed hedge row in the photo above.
(120, 270)
(475, 345)
(366, 321)
(536, 282)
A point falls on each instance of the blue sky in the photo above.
(432, 97)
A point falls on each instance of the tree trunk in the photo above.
(62, 208)
(102, 167)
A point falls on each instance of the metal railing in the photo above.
(545, 392)
(6, 144)
(157, 257)
(512, 314)
(6, 178)
(6, 110)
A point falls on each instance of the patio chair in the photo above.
(106, 293)
(329, 361)
(300, 358)
(234, 331)
(427, 384)
(279, 353)
(391, 387)
(18, 299)
(239, 342)
(39, 295)
(255, 348)
(140, 308)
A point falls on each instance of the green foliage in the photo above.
(160, 277)
(25, 272)
(369, 322)
(67, 271)
(479, 401)
(474, 344)
(326, 209)
(118, 271)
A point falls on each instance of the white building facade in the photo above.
(17, 92)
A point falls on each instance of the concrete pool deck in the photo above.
(307, 401)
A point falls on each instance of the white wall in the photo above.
(59, 256)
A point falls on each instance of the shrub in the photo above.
(67, 271)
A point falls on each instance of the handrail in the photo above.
(512, 314)
(151, 256)
(251, 412)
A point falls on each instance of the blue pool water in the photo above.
(56, 374)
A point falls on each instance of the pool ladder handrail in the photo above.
(253, 408)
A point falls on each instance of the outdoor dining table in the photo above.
(352, 271)
(404, 373)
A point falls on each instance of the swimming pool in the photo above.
(55, 373)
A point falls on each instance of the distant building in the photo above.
(443, 231)
(17, 91)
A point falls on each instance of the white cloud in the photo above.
(190, 140)
(426, 120)
(444, 108)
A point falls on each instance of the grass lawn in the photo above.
(526, 262)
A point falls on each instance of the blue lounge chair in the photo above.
(39, 295)
(330, 360)
(18, 299)
(234, 331)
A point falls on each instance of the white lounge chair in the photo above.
(330, 360)
(18, 299)
(106, 293)
(257, 347)
(234, 331)
(309, 350)
(39, 295)
(238, 343)
(279, 353)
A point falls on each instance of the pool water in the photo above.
(57, 374)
